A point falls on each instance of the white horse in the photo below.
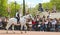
(13, 21)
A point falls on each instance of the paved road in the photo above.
(3, 32)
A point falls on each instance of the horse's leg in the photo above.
(25, 28)
(7, 27)
(21, 28)
(13, 28)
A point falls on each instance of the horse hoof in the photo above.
(25, 32)
(21, 32)
(6, 32)
(14, 32)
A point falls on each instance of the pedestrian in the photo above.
(46, 23)
(49, 25)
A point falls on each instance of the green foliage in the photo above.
(57, 3)
(3, 8)
(3, 5)
(51, 4)
(33, 11)
(47, 5)
(13, 10)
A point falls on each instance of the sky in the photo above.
(30, 3)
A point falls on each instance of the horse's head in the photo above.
(20, 15)
(29, 16)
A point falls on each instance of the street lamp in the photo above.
(23, 7)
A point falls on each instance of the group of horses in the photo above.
(13, 21)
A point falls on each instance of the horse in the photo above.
(13, 21)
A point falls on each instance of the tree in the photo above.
(56, 3)
(47, 5)
(3, 5)
(13, 10)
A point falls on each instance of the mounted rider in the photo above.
(17, 16)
